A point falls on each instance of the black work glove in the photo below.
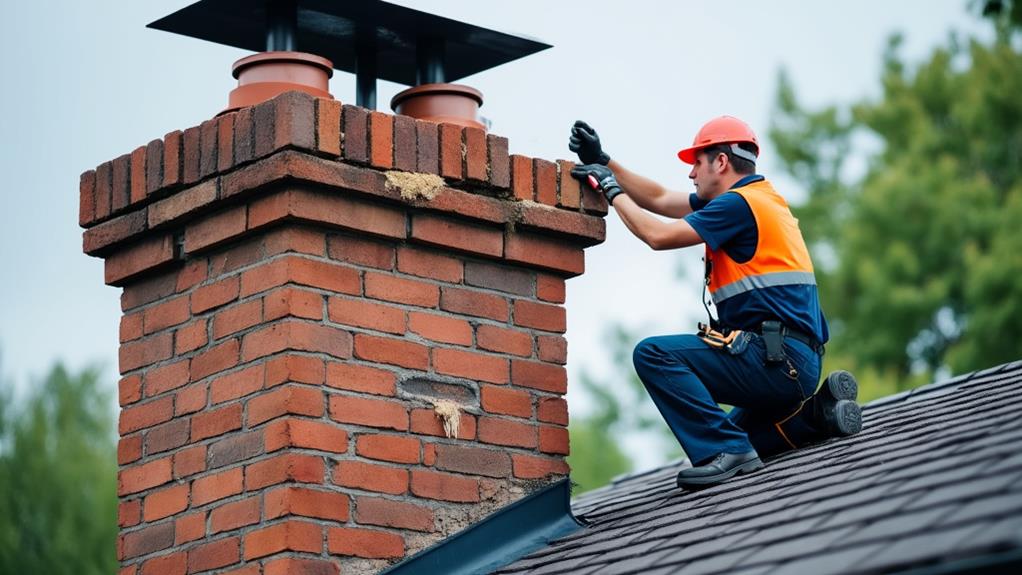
(586, 143)
(599, 178)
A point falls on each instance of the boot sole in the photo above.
(847, 419)
(747, 467)
(841, 385)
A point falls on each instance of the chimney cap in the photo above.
(333, 29)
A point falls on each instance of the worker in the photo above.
(762, 353)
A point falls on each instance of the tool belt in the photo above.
(773, 334)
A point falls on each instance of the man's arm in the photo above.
(655, 233)
(649, 194)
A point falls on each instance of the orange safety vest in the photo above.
(781, 257)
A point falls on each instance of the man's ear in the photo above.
(720, 163)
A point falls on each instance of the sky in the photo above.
(86, 82)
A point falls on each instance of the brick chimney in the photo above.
(304, 283)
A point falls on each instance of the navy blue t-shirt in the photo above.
(726, 223)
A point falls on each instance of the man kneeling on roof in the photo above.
(763, 353)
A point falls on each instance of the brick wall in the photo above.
(293, 311)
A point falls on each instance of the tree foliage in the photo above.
(58, 499)
(920, 254)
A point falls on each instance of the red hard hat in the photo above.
(722, 130)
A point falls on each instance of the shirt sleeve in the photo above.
(723, 219)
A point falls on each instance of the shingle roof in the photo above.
(934, 481)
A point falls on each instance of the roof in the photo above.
(933, 482)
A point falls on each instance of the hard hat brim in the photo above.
(688, 155)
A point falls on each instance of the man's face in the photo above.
(706, 175)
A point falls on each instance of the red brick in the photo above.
(361, 378)
(129, 449)
(173, 564)
(395, 514)
(145, 415)
(426, 422)
(500, 162)
(189, 527)
(137, 175)
(401, 290)
(503, 340)
(360, 251)
(214, 554)
(540, 316)
(404, 143)
(553, 439)
(371, 477)
(507, 432)
(110, 232)
(141, 477)
(550, 288)
(538, 375)
(471, 365)
(306, 434)
(284, 400)
(166, 314)
(500, 277)
(356, 134)
(391, 351)
(263, 124)
(189, 461)
(230, 259)
(215, 229)
(301, 566)
(295, 240)
(534, 250)
(235, 385)
(153, 167)
(285, 467)
(302, 271)
(192, 274)
(569, 188)
(366, 543)
(361, 313)
(234, 515)
(166, 502)
(475, 154)
(207, 148)
(216, 422)
(297, 336)
(441, 231)
(170, 435)
(594, 202)
(429, 264)
(370, 412)
(381, 139)
(394, 448)
(521, 177)
(292, 302)
(444, 486)
(294, 368)
(474, 303)
(190, 399)
(237, 318)
(553, 410)
(330, 209)
(294, 121)
(427, 138)
(147, 290)
(440, 328)
(529, 467)
(553, 349)
(304, 502)
(506, 401)
(129, 513)
(215, 295)
(104, 175)
(172, 144)
(328, 126)
(87, 198)
(183, 203)
(243, 132)
(143, 352)
(120, 190)
(473, 460)
(225, 141)
(129, 389)
(546, 182)
(147, 540)
(451, 151)
(190, 337)
(214, 360)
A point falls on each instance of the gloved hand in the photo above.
(600, 178)
(586, 143)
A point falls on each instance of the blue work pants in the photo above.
(687, 378)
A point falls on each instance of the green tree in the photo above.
(919, 256)
(58, 500)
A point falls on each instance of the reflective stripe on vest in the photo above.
(781, 257)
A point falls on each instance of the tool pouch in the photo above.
(773, 340)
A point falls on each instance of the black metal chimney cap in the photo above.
(332, 29)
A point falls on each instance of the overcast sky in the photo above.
(86, 82)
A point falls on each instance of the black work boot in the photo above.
(723, 466)
(834, 408)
